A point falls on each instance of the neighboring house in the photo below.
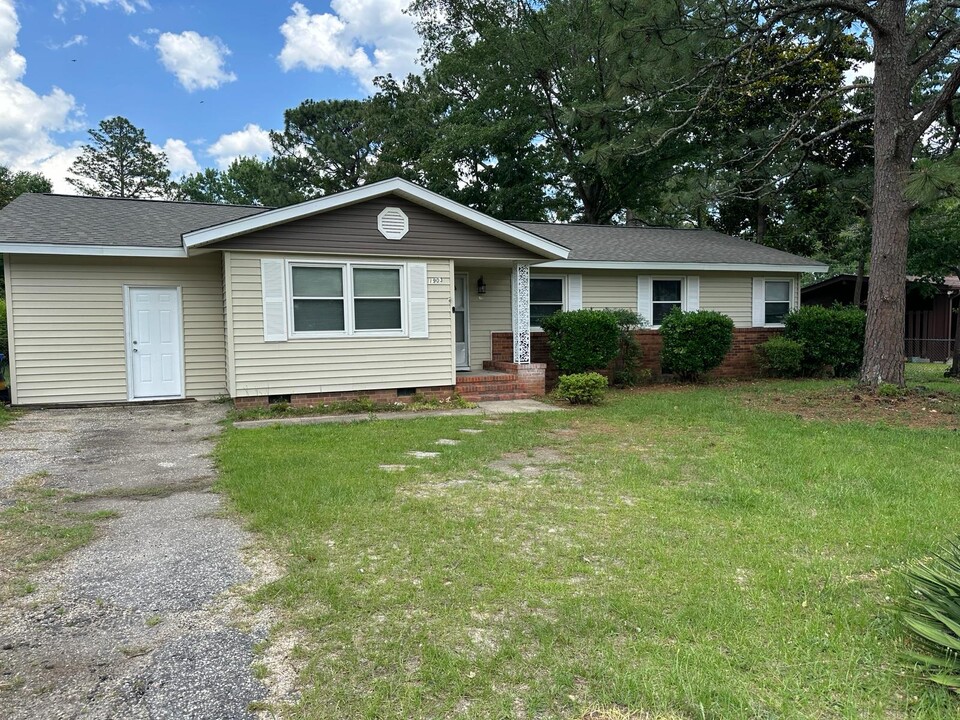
(930, 328)
(386, 291)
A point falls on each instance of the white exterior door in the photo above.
(155, 351)
(461, 321)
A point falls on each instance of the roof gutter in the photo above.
(94, 250)
(729, 267)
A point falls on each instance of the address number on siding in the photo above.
(436, 280)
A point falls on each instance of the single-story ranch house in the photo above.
(385, 291)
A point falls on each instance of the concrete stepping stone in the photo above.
(447, 441)
(471, 431)
(393, 468)
(420, 454)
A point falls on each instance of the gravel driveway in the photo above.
(147, 621)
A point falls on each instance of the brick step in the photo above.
(481, 379)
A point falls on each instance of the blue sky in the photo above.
(205, 80)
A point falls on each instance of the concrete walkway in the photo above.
(142, 622)
(493, 407)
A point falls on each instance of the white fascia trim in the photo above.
(97, 250)
(396, 186)
(703, 267)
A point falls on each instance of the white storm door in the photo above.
(461, 321)
(156, 355)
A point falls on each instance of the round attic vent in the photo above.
(393, 223)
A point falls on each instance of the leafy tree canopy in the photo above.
(13, 184)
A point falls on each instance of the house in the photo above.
(385, 291)
(931, 311)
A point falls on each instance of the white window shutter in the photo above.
(759, 311)
(274, 300)
(645, 297)
(574, 292)
(693, 293)
(417, 292)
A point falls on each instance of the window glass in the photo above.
(546, 298)
(776, 301)
(317, 299)
(377, 304)
(666, 297)
(318, 315)
(317, 282)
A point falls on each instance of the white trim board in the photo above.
(700, 267)
(98, 250)
(395, 186)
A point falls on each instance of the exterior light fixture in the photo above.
(481, 286)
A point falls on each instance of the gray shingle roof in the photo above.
(72, 220)
(617, 243)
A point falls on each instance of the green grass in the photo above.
(37, 528)
(930, 375)
(674, 552)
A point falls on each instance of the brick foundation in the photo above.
(442, 392)
(740, 362)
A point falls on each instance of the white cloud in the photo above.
(128, 6)
(139, 42)
(197, 61)
(75, 40)
(180, 158)
(366, 38)
(27, 119)
(252, 141)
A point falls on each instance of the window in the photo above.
(346, 299)
(667, 295)
(546, 298)
(377, 304)
(317, 293)
(776, 301)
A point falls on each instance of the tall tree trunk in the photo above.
(761, 222)
(886, 302)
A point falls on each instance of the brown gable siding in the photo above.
(353, 230)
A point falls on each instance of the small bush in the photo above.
(780, 357)
(931, 616)
(581, 388)
(832, 338)
(626, 370)
(582, 340)
(695, 342)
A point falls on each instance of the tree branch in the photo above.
(935, 107)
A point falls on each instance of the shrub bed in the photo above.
(695, 342)
(832, 338)
(780, 357)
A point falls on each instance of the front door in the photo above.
(156, 355)
(461, 321)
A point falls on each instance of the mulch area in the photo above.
(914, 408)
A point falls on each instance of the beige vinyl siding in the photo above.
(731, 294)
(69, 325)
(488, 314)
(609, 290)
(336, 364)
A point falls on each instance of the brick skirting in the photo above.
(442, 392)
(740, 362)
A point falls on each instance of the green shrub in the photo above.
(780, 357)
(626, 370)
(931, 616)
(582, 340)
(581, 388)
(832, 338)
(694, 342)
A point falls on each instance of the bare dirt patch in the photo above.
(912, 408)
(530, 464)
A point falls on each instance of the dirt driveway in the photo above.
(147, 621)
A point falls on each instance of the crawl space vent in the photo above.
(393, 223)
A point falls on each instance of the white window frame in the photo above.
(349, 324)
(791, 305)
(683, 294)
(564, 304)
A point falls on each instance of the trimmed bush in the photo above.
(582, 340)
(931, 616)
(695, 342)
(832, 338)
(780, 357)
(581, 388)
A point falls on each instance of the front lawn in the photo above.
(677, 553)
